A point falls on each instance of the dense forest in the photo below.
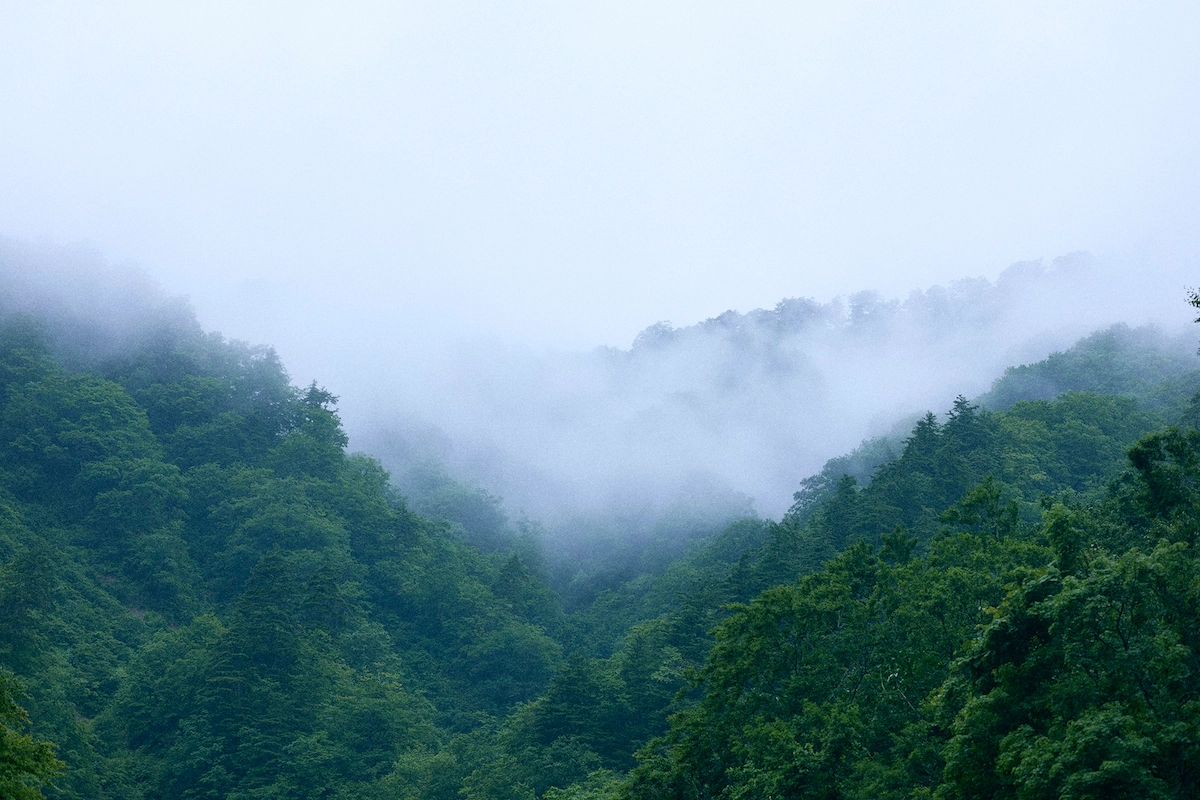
(204, 595)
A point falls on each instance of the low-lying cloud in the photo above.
(693, 425)
(740, 405)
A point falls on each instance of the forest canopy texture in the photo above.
(203, 595)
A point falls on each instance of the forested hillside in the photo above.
(203, 595)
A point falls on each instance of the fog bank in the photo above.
(685, 427)
(742, 405)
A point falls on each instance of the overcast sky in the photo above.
(570, 173)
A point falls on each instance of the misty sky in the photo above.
(319, 175)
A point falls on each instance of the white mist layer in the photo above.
(687, 428)
(741, 404)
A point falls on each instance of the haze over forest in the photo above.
(723, 417)
(204, 594)
(740, 404)
(467, 221)
(615, 401)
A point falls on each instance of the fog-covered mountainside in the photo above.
(691, 427)
(1145, 363)
(1160, 373)
(617, 458)
(89, 309)
(204, 595)
(738, 405)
